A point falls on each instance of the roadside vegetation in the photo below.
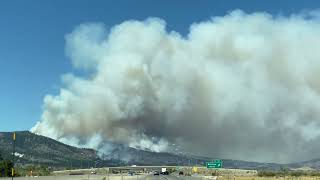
(292, 173)
(27, 170)
(32, 170)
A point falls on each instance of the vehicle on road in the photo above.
(156, 173)
(93, 171)
(181, 173)
(165, 173)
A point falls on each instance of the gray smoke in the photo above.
(241, 86)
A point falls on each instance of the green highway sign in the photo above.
(214, 164)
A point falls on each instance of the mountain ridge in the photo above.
(37, 149)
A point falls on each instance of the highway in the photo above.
(169, 177)
(100, 177)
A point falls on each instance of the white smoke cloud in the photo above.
(242, 86)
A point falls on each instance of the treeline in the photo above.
(28, 170)
(5, 167)
(282, 173)
(32, 170)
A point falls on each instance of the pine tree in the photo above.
(2, 169)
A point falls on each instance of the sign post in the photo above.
(215, 164)
(13, 154)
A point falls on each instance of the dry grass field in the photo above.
(268, 178)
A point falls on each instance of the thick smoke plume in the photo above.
(241, 86)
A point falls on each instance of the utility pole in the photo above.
(13, 153)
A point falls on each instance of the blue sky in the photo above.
(32, 57)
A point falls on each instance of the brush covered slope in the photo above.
(33, 149)
(40, 150)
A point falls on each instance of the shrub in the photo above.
(267, 173)
(297, 173)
